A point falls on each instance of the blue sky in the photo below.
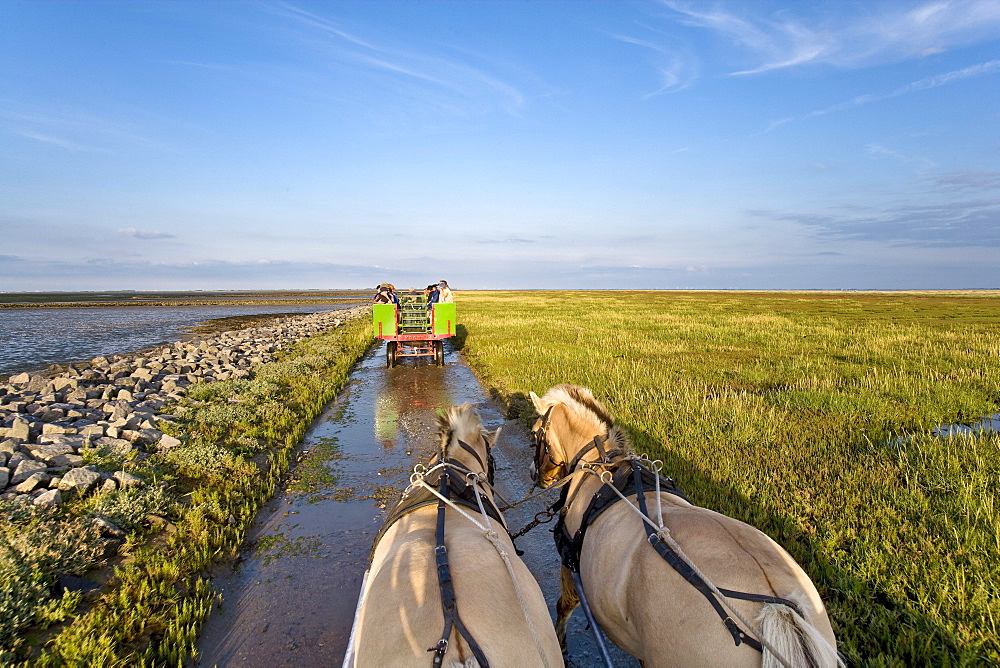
(500, 144)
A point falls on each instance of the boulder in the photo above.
(79, 480)
(4, 477)
(39, 480)
(167, 442)
(49, 498)
(46, 452)
(20, 380)
(20, 428)
(118, 446)
(67, 460)
(128, 480)
(25, 469)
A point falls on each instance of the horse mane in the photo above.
(457, 422)
(582, 405)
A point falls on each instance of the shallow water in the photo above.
(291, 600)
(991, 423)
(33, 338)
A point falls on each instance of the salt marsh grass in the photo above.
(809, 416)
(238, 444)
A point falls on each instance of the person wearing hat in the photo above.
(445, 292)
(385, 295)
(446, 295)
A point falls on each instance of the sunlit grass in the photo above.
(793, 412)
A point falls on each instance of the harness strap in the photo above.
(449, 606)
(685, 570)
(596, 444)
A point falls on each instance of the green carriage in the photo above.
(413, 328)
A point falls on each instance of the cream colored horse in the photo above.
(401, 614)
(640, 601)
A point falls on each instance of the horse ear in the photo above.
(536, 401)
(491, 439)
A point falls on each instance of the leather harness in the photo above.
(459, 491)
(635, 479)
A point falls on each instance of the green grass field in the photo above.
(809, 416)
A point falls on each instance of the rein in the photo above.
(658, 536)
(449, 604)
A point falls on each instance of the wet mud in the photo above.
(291, 597)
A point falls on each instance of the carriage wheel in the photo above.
(390, 354)
(439, 353)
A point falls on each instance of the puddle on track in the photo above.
(291, 599)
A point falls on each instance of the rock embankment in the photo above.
(48, 423)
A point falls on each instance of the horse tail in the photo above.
(794, 639)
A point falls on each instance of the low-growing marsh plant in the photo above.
(237, 438)
(807, 415)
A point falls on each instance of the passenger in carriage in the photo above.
(446, 295)
(432, 293)
(386, 294)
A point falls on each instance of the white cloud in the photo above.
(144, 234)
(857, 35)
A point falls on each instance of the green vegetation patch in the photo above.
(199, 500)
(807, 415)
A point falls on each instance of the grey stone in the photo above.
(20, 428)
(16, 458)
(66, 440)
(118, 446)
(4, 477)
(67, 460)
(46, 452)
(80, 480)
(109, 485)
(34, 481)
(108, 528)
(167, 442)
(25, 470)
(49, 498)
(126, 479)
(20, 379)
(61, 384)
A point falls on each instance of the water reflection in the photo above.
(406, 396)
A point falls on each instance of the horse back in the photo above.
(651, 611)
(402, 617)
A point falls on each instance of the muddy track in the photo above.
(290, 598)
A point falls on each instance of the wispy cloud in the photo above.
(61, 143)
(880, 151)
(144, 234)
(676, 71)
(70, 129)
(874, 34)
(508, 240)
(970, 223)
(442, 74)
(973, 71)
(969, 180)
(927, 83)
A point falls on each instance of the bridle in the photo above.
(546, 463)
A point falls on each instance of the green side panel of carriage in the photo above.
(444, 320)
(384, 319)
